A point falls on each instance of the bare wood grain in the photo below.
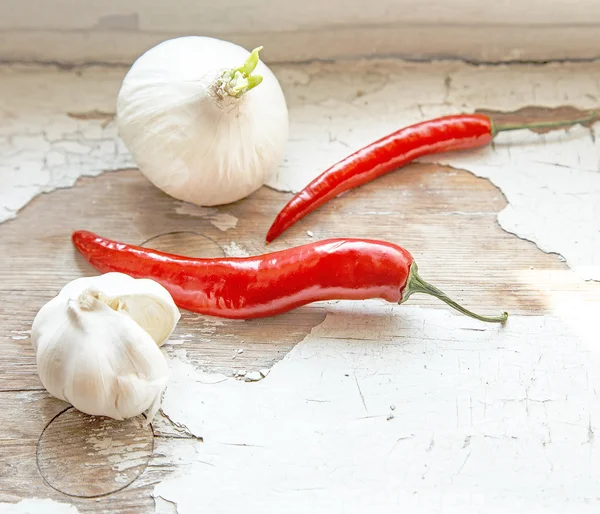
(23, 417)
(89, 457)
(445, 217)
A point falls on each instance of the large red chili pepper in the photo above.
(265, 285)
(445, 134)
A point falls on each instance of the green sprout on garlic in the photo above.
(238, 81)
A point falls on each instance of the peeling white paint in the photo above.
(336, 108)
(195, 211)
(342, 109)
(174, 455)
(176, 341)
(104, 444)
(120, 455)
(162, 506)
(234, 249)
(500, 419)
(20, 335)
(37, 506)
(42, 148)
(221, 220)
(101, 445)
(253, 376)
(122, 478)
(554, 198)
(31, 396)
(122, 463)
(224, 221)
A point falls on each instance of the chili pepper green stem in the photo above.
(415, 284)
(542, 124)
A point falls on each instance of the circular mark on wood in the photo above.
(88, 456)
(188, 243)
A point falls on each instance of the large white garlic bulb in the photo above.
(200, 122)
(97, 344)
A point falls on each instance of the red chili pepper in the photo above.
(445, 134)
(265, 285)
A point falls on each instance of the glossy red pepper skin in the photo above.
(448, 133)
(265, 285)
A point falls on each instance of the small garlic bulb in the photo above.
(97, 344)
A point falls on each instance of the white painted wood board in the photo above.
(485, 418)
(428, 413)
(119, 31)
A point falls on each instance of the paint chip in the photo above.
(194, 211)
(176, 341)
(235, 250)
(253, 376)
(223, 221)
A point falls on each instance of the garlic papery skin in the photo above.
(97, 344)
(203, 119)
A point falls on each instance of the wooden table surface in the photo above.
(446, 217)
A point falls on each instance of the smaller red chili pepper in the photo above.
(445, 134)
(270, 284)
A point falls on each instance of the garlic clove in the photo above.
(97, 344)
(116, 352)
(144, 300)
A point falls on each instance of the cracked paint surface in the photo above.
(57, 127)
(553, 198)
(428, 409)
(42, 146)
(35, 505)
(551, 181)
(381, 405)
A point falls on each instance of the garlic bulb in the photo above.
(204, 119)
(97, 344)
